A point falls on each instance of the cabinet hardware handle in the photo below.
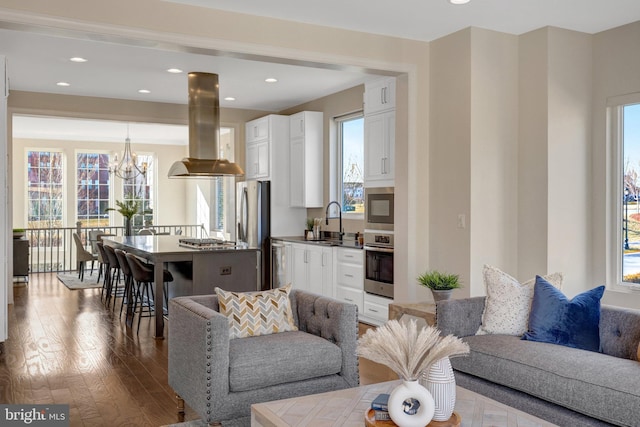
(382, 96)
(384, 91)
(371, 309)
(349, 275)
(349, 299)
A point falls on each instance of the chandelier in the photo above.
(127, 167)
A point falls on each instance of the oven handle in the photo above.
(377, 249)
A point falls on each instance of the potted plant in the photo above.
(308, 233)
(441, 284)
(19, 233)
(128, 209)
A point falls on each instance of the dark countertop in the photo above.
(166, 245)
(346, 243)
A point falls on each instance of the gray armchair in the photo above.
(220, 378)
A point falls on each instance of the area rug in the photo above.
(72, 282)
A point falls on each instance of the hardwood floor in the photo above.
(66, 347)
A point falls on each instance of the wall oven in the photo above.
(378, 254)
(378, 208)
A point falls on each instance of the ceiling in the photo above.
(119, 69)
(431, 19)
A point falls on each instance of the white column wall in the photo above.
(494, 154)
(569, 158)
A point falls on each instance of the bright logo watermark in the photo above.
(34, 415)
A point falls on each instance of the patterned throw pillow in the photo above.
(508, 302)
(257, 313)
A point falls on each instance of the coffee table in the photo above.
(348, 407)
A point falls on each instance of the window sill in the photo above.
(353, 216)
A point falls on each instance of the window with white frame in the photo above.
(223, 188)
(141, 188)
(625, 132)
(350, 141)
(92, 191)
(45, 189)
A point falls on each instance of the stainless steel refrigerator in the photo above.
(261, 214)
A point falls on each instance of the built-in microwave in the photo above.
(378, 208)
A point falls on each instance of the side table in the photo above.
(370, 421)
(423, 310)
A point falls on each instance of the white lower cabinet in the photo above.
(312, 268)
(349, 281)
(334, 272)
(376, 309)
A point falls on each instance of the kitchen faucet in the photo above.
(326, 214)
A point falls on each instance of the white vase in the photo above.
(441, 383)
(400, 405)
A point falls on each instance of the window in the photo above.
(223, 188)
(141, 188)
(630, 197)
(92, 171)
(351, 162)
(45, 189)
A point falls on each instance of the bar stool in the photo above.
(143, 276)
(128, 278)
(114, 275)
(104, 267)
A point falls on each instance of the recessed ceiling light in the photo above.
(65, 84)
(459, 1)
(229, 98)
(174, 70)
(144, 91)
(77, 59)
(270, 80)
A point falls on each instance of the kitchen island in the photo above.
(196, 271)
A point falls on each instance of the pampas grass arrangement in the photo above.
(406, 350)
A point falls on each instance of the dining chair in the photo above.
(82, 256)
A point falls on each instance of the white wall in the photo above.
(494, 154)
(532, 155)
(569, 158)
(450, 156)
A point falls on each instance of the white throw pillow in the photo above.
(508, 302)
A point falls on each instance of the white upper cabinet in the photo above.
(379, 133)
(306, 159)
(380, 96)
(379, 149)
(267, 141)
(257, 129)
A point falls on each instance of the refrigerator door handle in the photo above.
(244, 208)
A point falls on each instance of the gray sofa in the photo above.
(220, 378)
(566, 386)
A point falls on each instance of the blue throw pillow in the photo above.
(556, 320)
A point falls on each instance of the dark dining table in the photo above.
(162, 249)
